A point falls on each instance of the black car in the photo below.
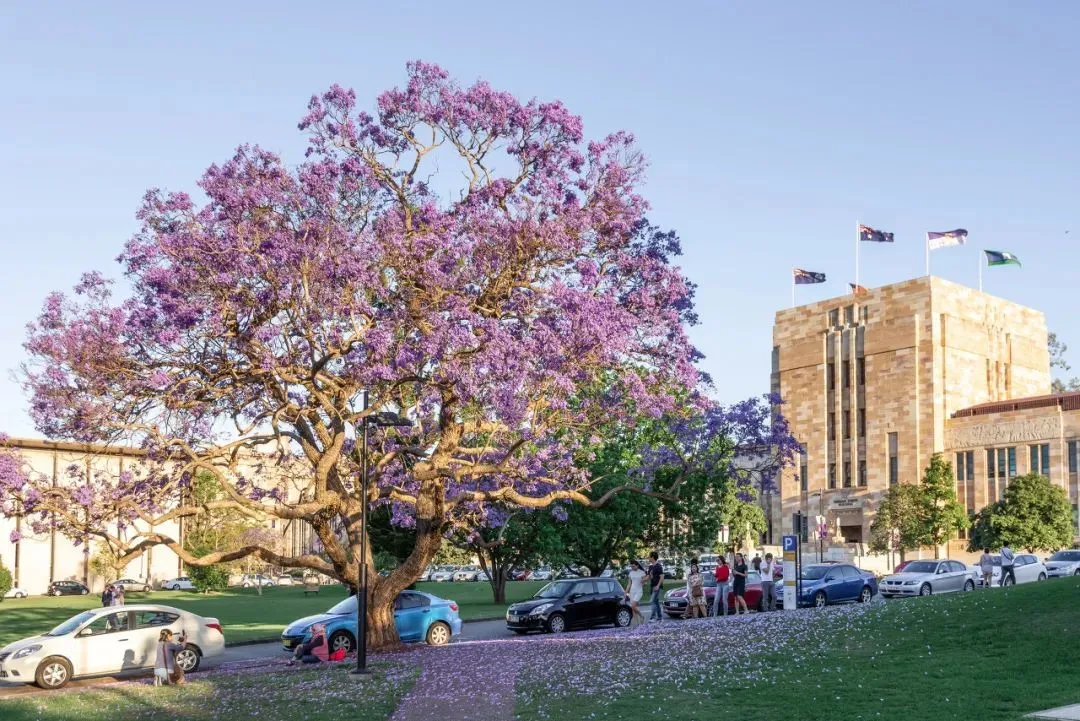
(571, 604)
(67, 588)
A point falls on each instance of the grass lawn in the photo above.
(245, 615)
(308, 694)
(931, 659)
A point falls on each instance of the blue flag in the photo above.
(873, 235)
(807, 277)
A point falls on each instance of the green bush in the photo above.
(209, 578)
(5, 582)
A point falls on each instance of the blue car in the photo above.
(418, 616)
(825, 583)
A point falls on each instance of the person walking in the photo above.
(634, 589)
(1008, 560)
(768, 583)
(656, 580)
(107, 596)
(723, 586)
(695, 591)
(740, 570)
(986, 567)
(165, 669)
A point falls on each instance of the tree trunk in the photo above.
(381, 630)
(498, 582)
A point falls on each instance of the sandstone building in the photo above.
(876, 383)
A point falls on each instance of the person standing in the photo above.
(723, 586)
(768, 583)
(740, 570)
(166, 669)
(1008, 560)
(986, 567)
(695, 591)
(107, 596)
(634, 589)
(756, 563)
(656, 580)
(118, 595)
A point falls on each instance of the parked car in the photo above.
(106, 641)
(1026, 568)
(466, 573)
(520, 574)
(180, 583)
(16, 592)
(707, 563)
(425, 575)
(1063, 563)
(541, 574)
(565, 604)
(923, 578)
(284, 581)
(443, 574)
(418, 616)
(252, 580)
(481, 575)
(130, 584)
(675, 600)
(825, 583)
(66, 588)
(671, 568)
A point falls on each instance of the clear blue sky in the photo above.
(772, 128)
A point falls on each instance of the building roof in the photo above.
(1067, 401)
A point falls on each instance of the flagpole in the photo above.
(928, 255)
(979, 259)
(857, 236)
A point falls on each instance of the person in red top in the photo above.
(723, 585)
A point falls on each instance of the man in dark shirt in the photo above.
(656, 580)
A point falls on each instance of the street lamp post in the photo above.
(384, 418)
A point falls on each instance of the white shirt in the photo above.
(1007, 557)
(636, 577)
(768, 570)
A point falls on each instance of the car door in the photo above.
(147, 629)
(961, 573)
(107, 645)
(1025, 568)
(608, 599)
(409, 613)
(581, 603)
(852, 583)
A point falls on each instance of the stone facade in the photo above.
(870, 383)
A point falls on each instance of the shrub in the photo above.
(209, 578)
(5, 582)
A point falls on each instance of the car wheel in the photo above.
(1007, 582)
(1042, 576)
(925, 590)
(438, 634)
(969, 585)
(188, 659)
(56, 592)
(341, 640)
(20, 594)
(84, 591)
(1076, 572)
(820, 599)
(623, 617)
(556, 624)
(865, 595)
(53, 673)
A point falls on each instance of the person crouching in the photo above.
(314, 649)
(166, 670)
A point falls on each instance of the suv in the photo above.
(571, 603)
(67, 588)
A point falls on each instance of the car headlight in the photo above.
(910, 583)
(540, 609)
(28, 651)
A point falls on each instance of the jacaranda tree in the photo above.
(464, 257)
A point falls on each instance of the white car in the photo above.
(443, 574)
(1063, 563)
(481, 575)
(285, 581)
(466, 573)
(181, 583)
(923, 578)
(541, 574)
(108, 641)
(251, 580)
(425, 575)
(16, 593)
(1026, 568)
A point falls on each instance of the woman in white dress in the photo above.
(634, 588)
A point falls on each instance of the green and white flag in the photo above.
(1001, 257)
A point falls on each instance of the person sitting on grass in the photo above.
(314, 649)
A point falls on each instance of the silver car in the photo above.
(923, 578)
(1063, 563)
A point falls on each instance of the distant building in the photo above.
(875, 384)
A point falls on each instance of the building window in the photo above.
(862, 474)
(849, 315)
(847, 424)
(1072, 457)
(960, 495)
(1040, 459)
(847, 474)
(861, 416)
(804, 464)
(969, 492)
(832, 426)
(991, 483)
(832, 475)
(845, 368)
(860, 371)
(830, 375)
(864, 313)
(834, 317)
(894, 460)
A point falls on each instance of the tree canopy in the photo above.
(1033, 513)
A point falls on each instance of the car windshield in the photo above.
(345, 607)
(920, 567)
(554, 590)
(71, 624)
(815, 573)
(1068, 556)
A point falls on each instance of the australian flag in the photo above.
(873, 235)
(807, 277)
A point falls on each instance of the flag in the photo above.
(874, 236)
(807, 277)
(857, 289)
(1000, 257)
(946, 238)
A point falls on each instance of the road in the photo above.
(471, 631)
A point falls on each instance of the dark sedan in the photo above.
(566, 604)
(66, 588)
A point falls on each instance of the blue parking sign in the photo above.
(791, 544)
